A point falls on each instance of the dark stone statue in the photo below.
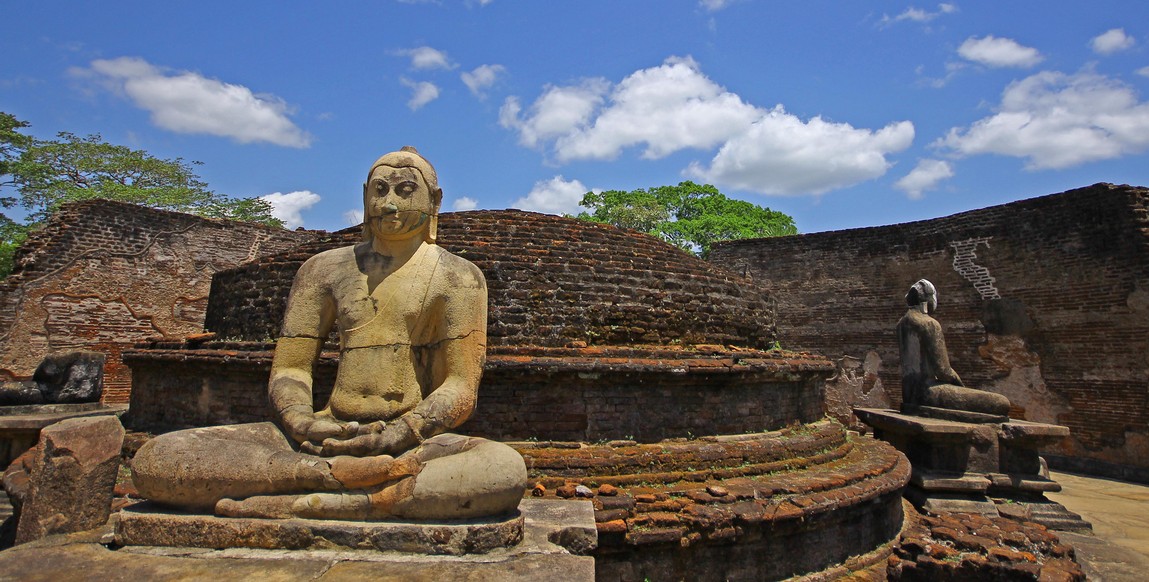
(930, 387)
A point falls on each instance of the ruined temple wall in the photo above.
(102, 275)
(1044, 300)
(551, 281)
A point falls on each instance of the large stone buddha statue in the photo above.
(411, 320)
(930, 387)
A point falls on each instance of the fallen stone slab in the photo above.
(64, 483)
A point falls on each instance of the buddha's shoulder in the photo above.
(458, 269)
(328, 260)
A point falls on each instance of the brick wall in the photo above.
(1044, 300)
(585, 394)
(102, 275)
(551, 281)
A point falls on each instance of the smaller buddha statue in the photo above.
(930, 387)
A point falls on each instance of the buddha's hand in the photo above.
(308, 427)
(390, 439)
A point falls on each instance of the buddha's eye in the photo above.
(380, 185)
(406, 188)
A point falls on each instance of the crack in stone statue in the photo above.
(930, 387)
(411, 319)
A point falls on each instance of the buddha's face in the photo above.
(397, 202)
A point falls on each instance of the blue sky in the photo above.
(841, 114)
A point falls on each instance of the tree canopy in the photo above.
(687, 215)
(45, 174)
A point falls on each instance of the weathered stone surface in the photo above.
(78, 281)
(80, 557)
(64, 483)
(147, 525)
(930, 387)
(71, 377)
(412, 324)
(1062, 276)
(958, 467)
(20, 393)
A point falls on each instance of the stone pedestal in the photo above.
(544, 539)
(976, 467)
(146, 524)
(557, 536)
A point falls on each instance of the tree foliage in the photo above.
(45, 174)
(688, 215)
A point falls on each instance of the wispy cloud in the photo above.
(422, 93)
(714, 5)
(920, 15)
(992, 51)
(187, 102)
(554, 196)
(482, 78)
(426, 58)
(1111, 41)
(464, 203)
(925, 176)
(289, 207)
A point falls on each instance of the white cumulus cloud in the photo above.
(665, 109)
(1055, 120)
(781, 154)
(1143, 71)
(187, 102)
(557, 112)
(481, 78)
(288, 207)
(554, 196)
(1111, 41)
(422, 93)
(925, 176)
(674, 106)
(425, 57)
(464, 203)
(992, 51)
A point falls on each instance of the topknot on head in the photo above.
(409, 157)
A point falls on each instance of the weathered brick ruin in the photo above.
(617, 362)
(1044, 300)
(566, 297)
(103, 275)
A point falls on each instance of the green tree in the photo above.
(48, 173)
(688, 215)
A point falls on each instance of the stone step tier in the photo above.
(984, 467)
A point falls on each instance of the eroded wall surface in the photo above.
(103, 275)
(1044, 300)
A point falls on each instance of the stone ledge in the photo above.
(146, 524)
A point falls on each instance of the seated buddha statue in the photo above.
(930, 387)
(411, 321)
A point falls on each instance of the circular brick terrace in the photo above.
(736, 507)
(551, 281)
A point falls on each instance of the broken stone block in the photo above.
(20, 393)
(64, 484)
(71, 377)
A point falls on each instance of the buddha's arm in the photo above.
(935, 345)
(307, 321)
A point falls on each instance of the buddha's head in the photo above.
(401, 197)
(923, 292)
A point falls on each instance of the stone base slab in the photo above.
(146, 524)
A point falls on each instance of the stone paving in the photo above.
(1118, 549)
